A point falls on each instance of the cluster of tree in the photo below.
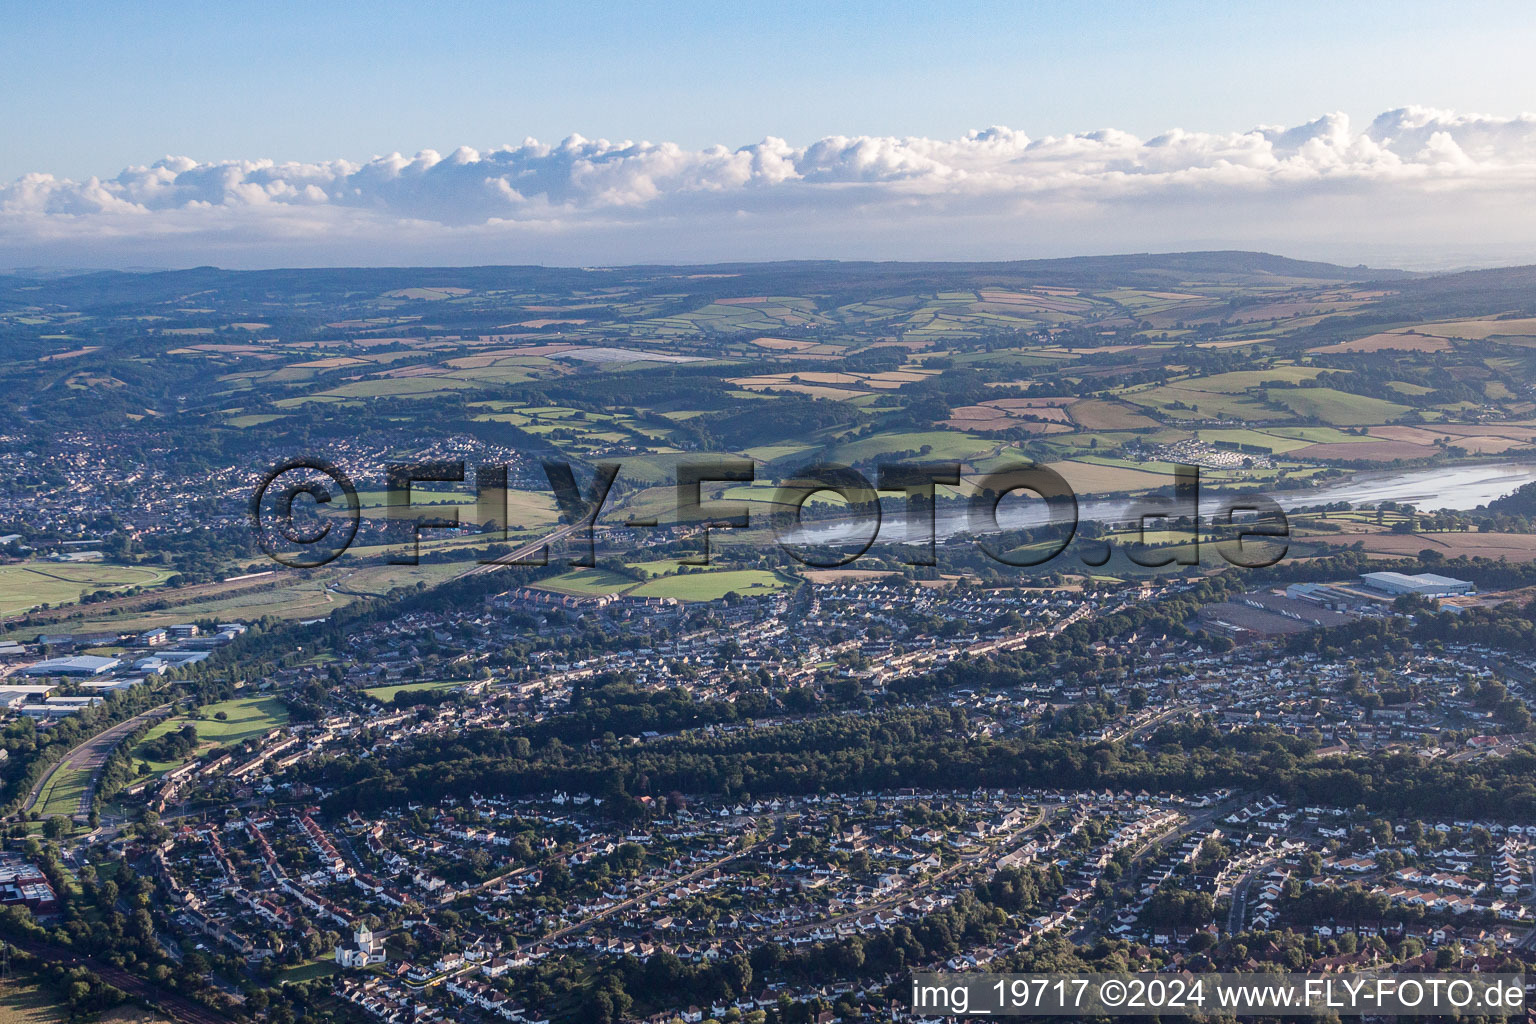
(112, 921)
(1510, 626)
(1352, 906)
(920, 748)
(171, 746)
(1522, 503)
(784, 417)
(79, 989)
(1174, 907)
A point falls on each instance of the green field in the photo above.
(253, 419)
(421, 494)
(1318, 435)
(381, 579)
(580, 429)
(1097, 414)
(300, 599)
(944, 444)
(525, 509)
(1337, 407)
(62, 793)
(308, 972)
(1191, 403)
(660, 467)
(385, 694)
(1275, 442)
(1365, 515)
(586, 583)
(313, 596)
(770, 452)
(22, 1002)
(1244, 380)
(394, 387)
(711, 586)
(28, 584)
(657, 567)
(247, 717)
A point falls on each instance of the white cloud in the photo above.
(1414, 180)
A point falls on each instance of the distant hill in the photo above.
(1464, 294)
(105, 289)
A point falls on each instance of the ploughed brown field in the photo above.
(1479, 439)
(1391, 341)
(783, 344)
(980, 417)
(1035, 415)
(1512, 546)
(1365, 451)
(1097, 414)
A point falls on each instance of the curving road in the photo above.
(526, 551)
(91, 756)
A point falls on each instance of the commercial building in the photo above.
(1425, 584)
(84, 665)
(12, 699)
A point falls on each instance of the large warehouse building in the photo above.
(1425, 584)
(84, 665)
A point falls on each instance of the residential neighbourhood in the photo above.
(453, 906)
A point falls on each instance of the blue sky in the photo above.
(1391, 132)
(91, 88)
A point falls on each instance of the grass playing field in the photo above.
(309, 971)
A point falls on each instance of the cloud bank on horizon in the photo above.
(1416, 182)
